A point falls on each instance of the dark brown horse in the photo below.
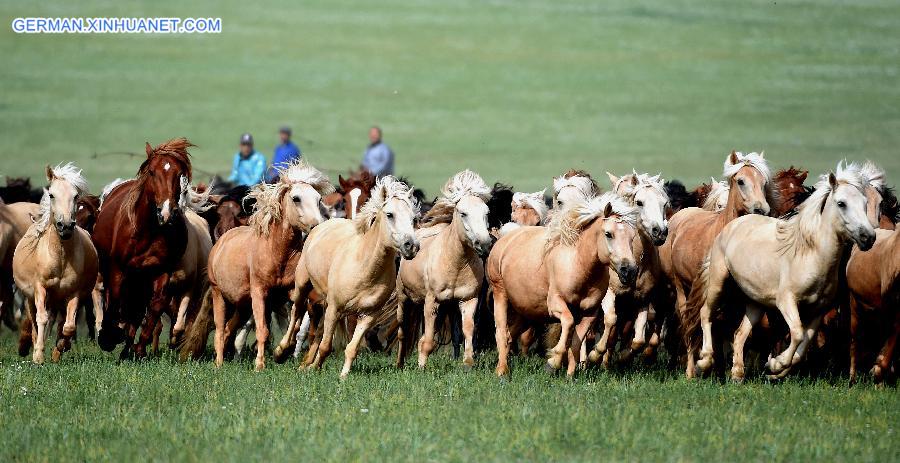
(362, 182)
(140, 237)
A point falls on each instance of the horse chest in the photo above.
(454, 283)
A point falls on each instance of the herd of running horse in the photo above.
(580, 275)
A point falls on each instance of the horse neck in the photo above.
(284, 240)
(51, 241)
(734, 208)
(590, 261)
(826, 243)
(375, 251)
(455, 246)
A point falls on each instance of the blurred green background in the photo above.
(516, 90)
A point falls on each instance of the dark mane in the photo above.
(890, 207)
(176, 150)
(679, 197)
(500, 205)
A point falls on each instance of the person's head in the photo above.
(284, 134)
(246, 144)
(375, 134)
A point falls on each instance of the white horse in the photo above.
(791, 265)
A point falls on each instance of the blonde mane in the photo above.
(110, 187)
(534, 201)
(460, 185)
(68, 173)
(801, 231)
(580, 180)
(873, 174)
(193, 199)
(267, 209)
(654, 182)
(567, 224)
(385, 189)
(754, 160)
(719, 189)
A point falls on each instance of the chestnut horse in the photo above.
(54, 269)
(692, 230)
(560, 272)
(140, 237)
(790, 265)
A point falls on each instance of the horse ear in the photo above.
(634, 180)
(49, 173)
(342, 182)
(612, 179)
(832, 180)
(762, 154)
(733, 159)
(149, 149)
(802, 176)
(608, 210)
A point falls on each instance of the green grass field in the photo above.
(516, 90)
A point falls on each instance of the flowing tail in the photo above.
(195, 338)
(690, 318)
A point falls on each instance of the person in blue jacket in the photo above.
(249, 165)
(285, 153)
(378, 157)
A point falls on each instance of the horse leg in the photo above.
(454, 318)
(467, 309)
(560, 310)
(362, 325)
(302, 334)
(716, 275)
(157, 305)
(639, 337)
(788, 308)
(404, 324)
(328, 325)
(219, 318)
(577, 344)
(299, 299)
(180, 319)
(258, 302)
(67, 332)
(27, 333)
(526, 340)
(886, 356)
(690, 366)
(501, 332)
(97, 298)
(854, 327)
(41, 319)
(751, 317)
(609, 324)
(426, 343)
(315, 329)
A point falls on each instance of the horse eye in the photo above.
(463, 214)
(390, 215)
(296, 199)
(640, 204)
(841, 204)
(608, 235)
(50, 195)
(740, 182)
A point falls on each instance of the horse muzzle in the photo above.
(483, 247)
(865, 239)
(409, 248)
(65, 229)
(658, 235)
(164, 212)
(627, 274)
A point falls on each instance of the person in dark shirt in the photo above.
(285, 153)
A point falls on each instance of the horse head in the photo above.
(467, 194)
(302, 202)
(847, 203)
(162, 174)
(649, 196)
(749, 180)
(874, 187)
(618, 223)
(66, 186)
(393, 208)
(528, 209)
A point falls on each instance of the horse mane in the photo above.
(679, 197)
(645, 180)
(567, 224)
(70, 174)
(800, 231)
(714, 192)
(109, 187)
(796, 175)
(500, 205)
(385, 189)
(890, 206)
(534, 201)
(874, 175)
(267, 197)
(460, 185)
(176, 149)
(579, 179)
(194, 199)
(758, 162)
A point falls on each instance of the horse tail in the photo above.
(551, 336)
(690, 318)
(195, 338)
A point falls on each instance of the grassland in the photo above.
(517, 90)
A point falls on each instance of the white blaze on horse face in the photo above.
(167, 167)
(399, 219)
(473, 214)
(652, 206)
(308, 204)
(165, 211)
(851, 205)
(354, 200)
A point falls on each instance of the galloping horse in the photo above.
(692, 230)
(251, 268)
(14, 222)
(791, 265)
(352, 265)
(448, 266)
(560, 272)
(55, 269)
(140, 237)
(641, 292)
(528, 210)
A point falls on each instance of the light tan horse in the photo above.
(253, 266)
(55, 269)
(561, 272)
(692, 230)
(528, 210)
(717, 199)
(352, 265)
(640, 290)
(574, 186)
(189, 281)
(15, 219)
(873, 279)
(448, 266)
(791, 265)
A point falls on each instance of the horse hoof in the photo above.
(595, 356)
(54, 356)
(549, 368)
(467, 367)
(704, 364)
(503, 378)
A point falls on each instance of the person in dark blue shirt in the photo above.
(285, 153)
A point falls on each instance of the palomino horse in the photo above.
(873, 278)
(573, 186)
(55, 269)
(189, 281)
(448, 266)
(352, 264)
(791, 265)
(140, 237)
(252, 268)
(528, 210)
(14, 222)
(692, 230)
(561, 272)
(717, 197)
(640, 292)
